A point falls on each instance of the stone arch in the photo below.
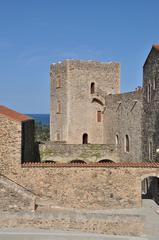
(152, 174)
(99, 101)
(105, 161)
(150, 187)
(78, 161)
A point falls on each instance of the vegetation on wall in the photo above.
(42, 132)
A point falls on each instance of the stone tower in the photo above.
(78, 90)
(150, 121)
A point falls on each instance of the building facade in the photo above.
(88, 108)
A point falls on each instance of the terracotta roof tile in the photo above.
(13, 114)
(92, 165)
(156, 46)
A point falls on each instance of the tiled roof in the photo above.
(13, 114)
(156, 46)
(96, 165)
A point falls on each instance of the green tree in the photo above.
(42, 132)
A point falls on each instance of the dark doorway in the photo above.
(85, 138)
(150, 188)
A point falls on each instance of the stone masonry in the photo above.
(73, 106)
(150, 118)
(66, 153)
(16, 144)
(123, 116)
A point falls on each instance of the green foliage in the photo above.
(42, 132)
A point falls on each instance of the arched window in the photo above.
(148, 92)
(154, 83)
(58, 82)
(99, 116)
(116, 140)
(85, 138)
(57, 136)
(58, 107)
(92, 87)
(150, 151)
(127, 147)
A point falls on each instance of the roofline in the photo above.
(16, 116)
(154, 46)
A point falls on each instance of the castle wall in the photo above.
(78, 112)
(150, 127)
(123, 116)
(65, 153)
(58, 101)
(85, 187)
(82, 113)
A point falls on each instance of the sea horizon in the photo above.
(43, 118)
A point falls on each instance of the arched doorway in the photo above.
(150, 188)
(85, 138)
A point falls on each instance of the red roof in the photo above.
(156, 46)
(13, 114)
(94, 165)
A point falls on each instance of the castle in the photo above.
(88, 108)
(103, 153)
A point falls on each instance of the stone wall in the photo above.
(86, 187)
(15, 198)
(123, 116)
(10, 145)
(16, 143)
(78, 110)
(150, 128)
(58, 101)
(68, 152)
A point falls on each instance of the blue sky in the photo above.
(35, 33)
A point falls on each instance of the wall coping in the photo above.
(92, 165)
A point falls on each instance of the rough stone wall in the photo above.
(150, 129)
(82, 187)
(78, 110)
(68, 152)
(123, 116)
(10, 145)
(15, 198)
